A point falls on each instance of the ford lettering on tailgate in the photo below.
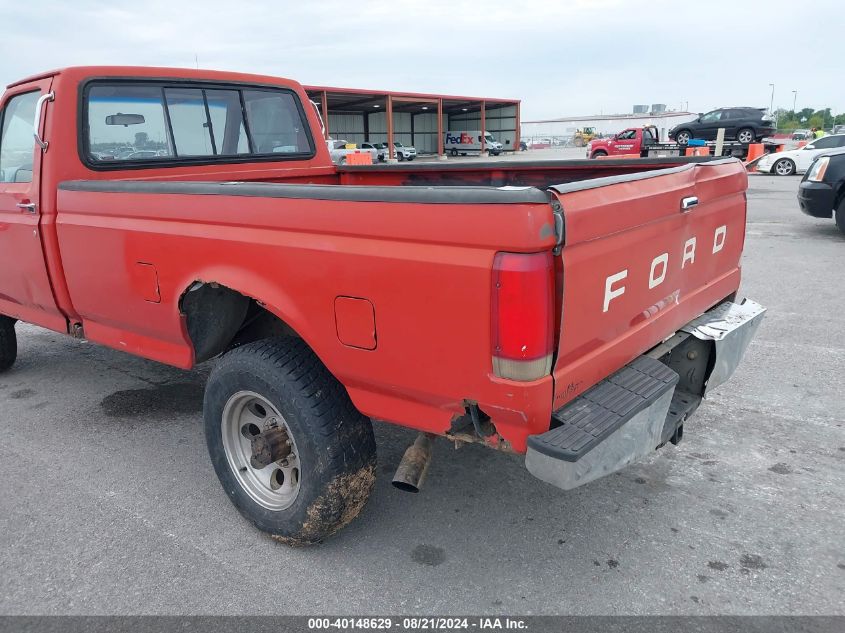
(641, 259)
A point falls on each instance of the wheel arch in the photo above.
(221, 309)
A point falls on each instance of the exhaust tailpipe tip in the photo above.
(412, 470)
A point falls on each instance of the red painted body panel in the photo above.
(118, 263)
(625, 228)
(25, 290)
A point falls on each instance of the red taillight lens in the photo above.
(523, 312)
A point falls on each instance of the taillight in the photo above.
(523, 314)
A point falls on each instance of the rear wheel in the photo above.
(746, 135)
(454, 152)
(8, 343)
(840, 216)
(290, 449)
(682, 137)
(784, 167)
(578, 141)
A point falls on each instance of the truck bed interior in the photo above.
(523, 173)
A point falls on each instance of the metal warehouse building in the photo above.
(416, 119)
(564, 128)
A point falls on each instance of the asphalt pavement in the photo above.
(109, 505)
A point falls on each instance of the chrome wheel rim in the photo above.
(783, 168)
(683, 138)
(745, 137)
(245, 415)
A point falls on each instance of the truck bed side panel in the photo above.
(424, 267)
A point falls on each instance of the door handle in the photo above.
(29, 207)
(689, 203)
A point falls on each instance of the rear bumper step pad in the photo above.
(589, 419)
(611, 425)
(637, 409)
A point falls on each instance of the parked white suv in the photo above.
(404, 153)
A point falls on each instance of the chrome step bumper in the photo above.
(632, 412)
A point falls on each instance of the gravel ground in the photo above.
(109, 504)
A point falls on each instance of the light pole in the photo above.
(772, 105)
(794, 97)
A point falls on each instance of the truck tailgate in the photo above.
(643, 255)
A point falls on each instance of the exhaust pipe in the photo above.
(414, 465)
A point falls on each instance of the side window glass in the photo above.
(227, 123)
(16, 141)
(826, 142)
(275, 123)
(189, 122)
(126, 123)
(711, 116)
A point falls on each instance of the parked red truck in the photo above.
(634, 140)
(574, 311)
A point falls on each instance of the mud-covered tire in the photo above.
(8, 343)
(335, 446)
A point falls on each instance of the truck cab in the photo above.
(632, 141)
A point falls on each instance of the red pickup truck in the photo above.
(573, 311)
(634, 140)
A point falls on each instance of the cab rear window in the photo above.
(143, 124)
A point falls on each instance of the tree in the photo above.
(141, 139)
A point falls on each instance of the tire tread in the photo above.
(8, 343)
(347, 443)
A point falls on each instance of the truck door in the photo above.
(626, 143)
(25, 290)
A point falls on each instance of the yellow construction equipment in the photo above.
(582, 137)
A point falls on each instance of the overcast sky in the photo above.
(560, 58)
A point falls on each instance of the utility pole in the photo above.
(794, 97)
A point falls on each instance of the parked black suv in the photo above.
(822, 191)
(746, 125)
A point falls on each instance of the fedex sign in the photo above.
(461, 138)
